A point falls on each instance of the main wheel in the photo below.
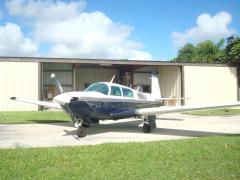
(146, 127)
(81, 131)
(152, 121)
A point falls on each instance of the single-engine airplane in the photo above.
(108, 100)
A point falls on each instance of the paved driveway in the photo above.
(169, 126)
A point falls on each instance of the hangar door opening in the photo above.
(86, 76)
(169, 79)
(63, 72)
(142, 81)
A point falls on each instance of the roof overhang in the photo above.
(103, 62)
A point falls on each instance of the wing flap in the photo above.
(40, 103)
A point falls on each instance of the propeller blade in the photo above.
(57, 84)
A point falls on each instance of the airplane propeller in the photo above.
(57, 84)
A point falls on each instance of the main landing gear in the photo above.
(149, 124)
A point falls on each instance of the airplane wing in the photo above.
(40, 103)
(160, 99)
(169, 109)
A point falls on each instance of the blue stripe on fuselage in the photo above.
(103, 109)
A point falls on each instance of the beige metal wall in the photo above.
(20, 79)
(210, 84)
(91, 75)
(170, 82)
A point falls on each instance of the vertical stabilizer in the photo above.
(155, 87)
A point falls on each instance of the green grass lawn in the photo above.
(200, 158)
(33, 117)
(215, 112)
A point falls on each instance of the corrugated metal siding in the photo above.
(210, 84)
(170, 82)
(91, 75)
(20, 79)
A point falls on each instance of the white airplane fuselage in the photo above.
(104, 100)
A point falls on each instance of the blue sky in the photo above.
(136, 29)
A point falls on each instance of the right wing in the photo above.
(40, 103)
(168, 109)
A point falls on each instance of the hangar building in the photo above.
(29, 78)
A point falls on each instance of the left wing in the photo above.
(40, 103)
(169, 109)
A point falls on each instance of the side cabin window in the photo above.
(127, 92)
(98, 87)
(115, 91)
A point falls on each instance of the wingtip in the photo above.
(13, 98)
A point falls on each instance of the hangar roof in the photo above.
(103, 62)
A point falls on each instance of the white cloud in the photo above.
(13, 42)
(75, 33)
(207, 28)
(45, 11)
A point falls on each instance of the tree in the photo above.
(232, 50)
(204, 52)
(186, 53)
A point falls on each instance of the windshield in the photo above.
(98, 87)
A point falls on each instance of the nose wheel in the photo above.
(81, 131)
(81, 127)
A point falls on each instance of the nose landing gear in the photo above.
(81, 127)
(81, 131)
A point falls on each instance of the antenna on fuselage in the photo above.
(112, 79)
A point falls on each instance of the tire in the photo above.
(146, 128)
(152, 121)
(81, 131)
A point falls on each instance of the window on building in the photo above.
(127, 92)
(116, 91)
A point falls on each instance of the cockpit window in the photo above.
(127, 92)
(98, 87)
(116, 91)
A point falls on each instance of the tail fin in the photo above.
(155, 87)
(57, 84)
